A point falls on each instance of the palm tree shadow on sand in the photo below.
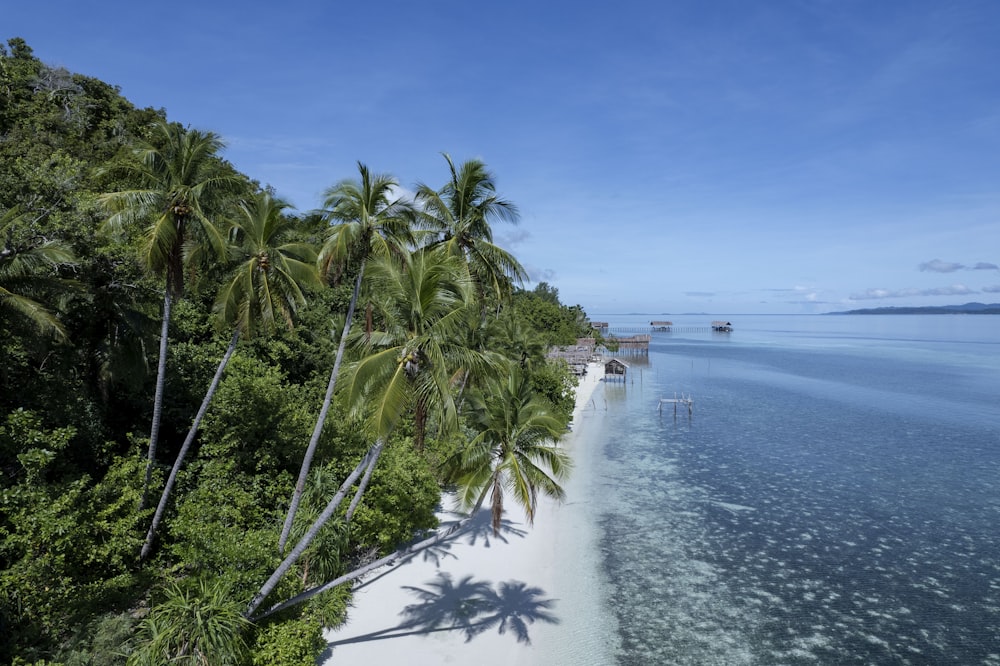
(476, 532)
(469, 606)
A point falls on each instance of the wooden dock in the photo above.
(634, 344)
(683, 400)
(668, 327)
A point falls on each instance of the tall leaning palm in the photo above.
(368, 219)
(175, 176)
(422, 302)
(514, 451)
(263, 292)
(461, 215)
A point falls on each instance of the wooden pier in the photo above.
(634, 344)
(683, 400)
(668, 327)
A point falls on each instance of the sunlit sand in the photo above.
(529, 595)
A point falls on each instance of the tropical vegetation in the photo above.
(296, 388)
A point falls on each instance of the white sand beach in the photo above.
(532, 595)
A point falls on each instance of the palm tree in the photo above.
(175, 178)
(415, 360)
(264, 291)
(368, 220)
(514, 451)
(411, 363)
(461, 214)
(27, 271)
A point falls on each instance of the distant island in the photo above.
(968, 308)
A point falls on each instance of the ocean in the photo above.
(834, 497)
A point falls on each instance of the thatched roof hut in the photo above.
(661, 325)
(615, 369)
(722, 326)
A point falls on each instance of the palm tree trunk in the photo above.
(271, 583)
(300, 485)
(400, 554)
(361, 489)
(161, 376)
(419, 424)
(161, 507)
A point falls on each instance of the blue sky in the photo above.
(666, 156)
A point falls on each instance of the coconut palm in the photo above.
(410, 364)
(263, 292)
(514, 451)
(27, 271)
(368, 219)
(414, 361)
(460, 214)
(175, 177)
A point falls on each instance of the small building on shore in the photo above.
(615, 369)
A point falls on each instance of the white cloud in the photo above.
(953, 290)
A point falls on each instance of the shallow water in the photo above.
(834, 498)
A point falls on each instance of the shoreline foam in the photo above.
(431, 609)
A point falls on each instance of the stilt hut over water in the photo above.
(661, 326)
(722, 326)
(615, 370)
(601, 326)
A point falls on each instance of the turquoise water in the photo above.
(834, 499)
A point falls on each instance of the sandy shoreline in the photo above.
(512, 599)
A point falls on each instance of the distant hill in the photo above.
(968, 308)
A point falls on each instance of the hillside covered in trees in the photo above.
(212, 406)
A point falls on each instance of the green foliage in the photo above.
(330, 607)
(25, 438)
(220, 528)
(297, 642)
(102, 642)
(194, 625)
(551, 322)
(258, 421)
(67, 548)
(401, 500)
(554, 382)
